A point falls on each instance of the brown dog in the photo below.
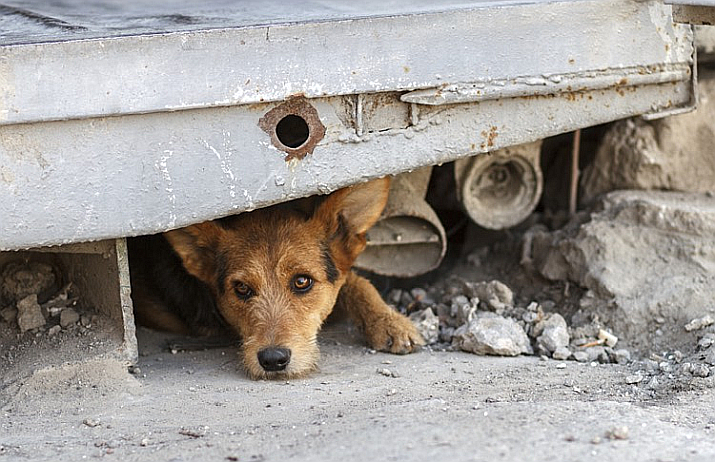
(273, 276)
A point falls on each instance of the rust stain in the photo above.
(296, 105)
(489, 137)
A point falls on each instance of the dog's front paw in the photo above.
(394, 333)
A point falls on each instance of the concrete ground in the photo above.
(360, 406)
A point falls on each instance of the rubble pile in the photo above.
(31, 300)
(482, 318)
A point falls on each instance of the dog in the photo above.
(272, 276)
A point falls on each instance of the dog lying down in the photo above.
(272, 276)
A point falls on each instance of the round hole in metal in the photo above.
(293, 131)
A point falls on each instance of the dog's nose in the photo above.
(273, 359)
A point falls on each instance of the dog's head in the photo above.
(276, 272)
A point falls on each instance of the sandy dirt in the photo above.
(361, 405)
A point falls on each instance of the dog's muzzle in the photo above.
(274, 359)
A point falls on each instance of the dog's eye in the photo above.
(242, 290)
(302, 283)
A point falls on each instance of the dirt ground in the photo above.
(436, 404)
(361, 405)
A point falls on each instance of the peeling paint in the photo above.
(533, 86)
(162, 166)
(225, 162)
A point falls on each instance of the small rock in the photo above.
(608, 338)
(710, 357)
(653, 383)
(134, 370)
(696, 370)
(706, 341)
(495, 294)
(61, 300)
(552, 332)
(419, 295)
(387, 372)
(29, 313)
(621, 356)
(85, 320)
(8, 314)
(54, 330)
(597, 353)
(68, 317)
(91, 422)
(446, 333)
(561, 353)
(618, 433)
(580, 356)
(405, 298)
(492, 336)
(427, 324)
(196, 432)
(699, 323)
(634, 378)
(651, 365)
(394, 297)
(462, 310)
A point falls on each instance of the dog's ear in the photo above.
(347, 214)
(197, 246)
(358, 207)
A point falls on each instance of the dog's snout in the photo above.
(274, 359)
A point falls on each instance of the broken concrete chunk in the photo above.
(710, 357)
(580, 356)
(621, 356)
(643, 256)
(561, 353)
(462, 309)
(68, 317)
(496, 295)
(633, 379)
(696, 369)
(699, 323)
(552, 333)
(29, 313)
(8, 314)
(597, 353)
(492, 336)
(427, 324)
(54, 330)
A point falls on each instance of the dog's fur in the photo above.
(272, 276)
